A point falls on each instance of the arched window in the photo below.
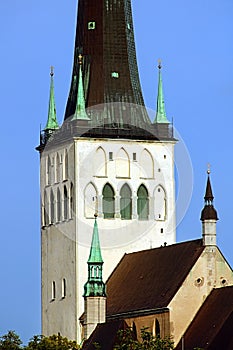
(58, 174)
(48, 170)
(157, 328)
(91, 203)
(52, 210)
(142, 203)
(66, 166)
(71, 200)
(160, 203)
(126, 202)
(146, 165)
(53, 290)
(63, 288)
(122, 164)
(100, 163)
(65, 194)
(58, 205)
(108, 202)
(46, 209)
(134, 330)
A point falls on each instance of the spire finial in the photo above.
(209, 211)
(80, 59)
(159, 64)
(208, 168)
(52, 123)
(161, 117)
(52, 71)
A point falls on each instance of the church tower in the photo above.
(108, 158)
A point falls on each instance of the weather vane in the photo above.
(208, 168)
(52, 71)
(159, 64)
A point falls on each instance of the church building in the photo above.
(108, 198)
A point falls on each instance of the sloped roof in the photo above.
(212, 326)
(105, 335)
(149, 279)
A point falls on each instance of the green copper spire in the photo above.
(52, 123)
(80, 111)
(160, 113)
(95, 285)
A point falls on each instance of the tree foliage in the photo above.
(10, 341)
(53, 342)
(127, 341)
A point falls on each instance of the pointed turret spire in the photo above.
(95, 286)
(209, 212)
(80, 111)
(209, 216)
(160, 113)
(52, 123)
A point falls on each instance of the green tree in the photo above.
(53, 342)
(10, 341)
(128, 341)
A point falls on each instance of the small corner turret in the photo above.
(94, 288)
(161, 117)
(209, 216)
(52, 123)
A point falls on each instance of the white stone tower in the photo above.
(108, 159)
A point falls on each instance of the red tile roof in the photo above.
(149, 279)
(212, 328)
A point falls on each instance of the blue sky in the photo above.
(194, 41)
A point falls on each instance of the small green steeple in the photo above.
(52, 123)
(80, 111)
(95, 286)
(160, 113)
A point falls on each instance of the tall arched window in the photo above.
(66, 166)
(53, 290)
(108, 202)
(142, 203)
(58, 205)
(157, 328)
(100, 163)
(91, 203)
(126, 202)
(46, 209)
(160, 203)
(71, 199)
(52, 208)
(65, 194)
(58, 168)
(146, 165)
(63, 288)
(48, 170)
(122, 164)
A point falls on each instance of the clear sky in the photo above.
(194, 41)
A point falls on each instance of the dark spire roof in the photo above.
(209, 212)
(105, 38)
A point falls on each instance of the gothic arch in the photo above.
(142, 203)
(49, 170)
(122, 164)
(108, 201)
(66, 203)
(71, 199)
(57, 167)
(52, 207)
(59, 213)
(146, 165)
(160, 203)
(46, 210)
(90, 201)
(66, 166)
(126, 202)
(100, 163)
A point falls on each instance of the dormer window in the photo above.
(91, 25)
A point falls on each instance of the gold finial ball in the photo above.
(80, 58)
(159, 64)
(208, 169)
(51, 71)
(96, 215)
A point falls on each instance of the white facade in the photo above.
(140, 174)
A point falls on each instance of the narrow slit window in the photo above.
(53, 290)
(63, 288)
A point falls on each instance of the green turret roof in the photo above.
(80, 111)
(95, 252)
(95, 286)
(160, 113)
(52, 123)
